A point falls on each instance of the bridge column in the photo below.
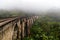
(15, 32)
(20, 24)
(22, 28)
(27, 26)
(8, 32)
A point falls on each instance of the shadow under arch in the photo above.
(15, 32)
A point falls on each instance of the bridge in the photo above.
(16, 28)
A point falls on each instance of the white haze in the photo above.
(29, 5)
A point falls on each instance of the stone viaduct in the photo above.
(17, 28)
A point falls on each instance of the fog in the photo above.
(29, 5)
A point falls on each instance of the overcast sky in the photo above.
(29, 5)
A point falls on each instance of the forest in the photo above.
(45, 28)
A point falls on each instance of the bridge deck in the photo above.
(4, 21)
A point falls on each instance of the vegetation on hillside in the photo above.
(45, 28)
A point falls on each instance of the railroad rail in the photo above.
(16, 28)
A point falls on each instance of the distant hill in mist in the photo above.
(13, 13)
(54, 13)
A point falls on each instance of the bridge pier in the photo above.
(19, 28)
(7, 33)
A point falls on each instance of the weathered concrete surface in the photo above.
(22, 29)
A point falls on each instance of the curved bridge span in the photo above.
(16, 28)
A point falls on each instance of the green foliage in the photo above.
(44, 29)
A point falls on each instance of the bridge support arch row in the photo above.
(18, 29)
